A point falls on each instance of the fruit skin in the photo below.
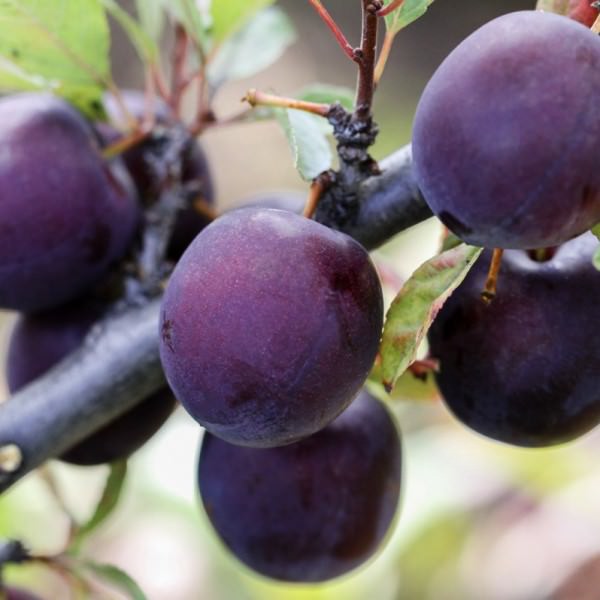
(40, 341)
(506, 132)
(524, 370)
(19, 594)
(312, 510)
(269, 326)
(195, 166)
(65, 217)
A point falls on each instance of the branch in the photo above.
(119, 365)
(389, 203)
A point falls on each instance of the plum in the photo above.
(13, 593)
(269, 326)
(506, 133)
(524, 370)
(40, 341)
(64, 216)
(312, 510)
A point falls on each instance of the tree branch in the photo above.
(118, 365)
(389, 203)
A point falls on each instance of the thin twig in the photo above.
(386, 48)
(333, 27)
(366, 60)
(391, 7)
(256, 98)
(180, 52)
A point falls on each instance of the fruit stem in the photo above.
(256, 98)
(202, 207)
(366, 57)
(489, 291)
(125, 143)
(386, 48)
(317, 187)
(334, 28)
(391, 7)
(422, 368)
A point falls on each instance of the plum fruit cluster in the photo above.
(269, 327)
(525, 369)
(68, 223)
(507, 133)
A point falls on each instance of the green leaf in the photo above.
(596, 231)
(327, 94)
(416, 305)
(229, 16)
(115, 577)
(408, 12)
(253, 48)
(143, 43)
(451, 241)
(309, 144)
(152, 17)
(62, 46)
(107, 503)
(596, 259)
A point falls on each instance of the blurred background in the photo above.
(478, 520)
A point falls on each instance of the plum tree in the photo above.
(506, 131)
(525, 369)
(40, 341)
(269, 326)
(65, 216)
(312, 510)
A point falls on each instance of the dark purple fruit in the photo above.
(524, 370)
(312, 510)
(40, 341)
(13, 593)
(506, 133)
(269, 326)
(195, 167)
(64, 216)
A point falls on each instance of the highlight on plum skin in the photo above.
(66, 218)
(40, 341)
(269, 326)
(524, 370)
(506, 132)
(309, 511)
